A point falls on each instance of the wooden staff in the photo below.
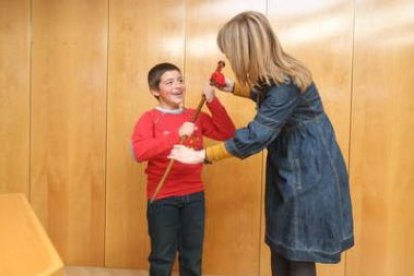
(182, 139)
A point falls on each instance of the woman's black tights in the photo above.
(284, 267)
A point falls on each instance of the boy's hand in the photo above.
(186, 129)
(208, 91)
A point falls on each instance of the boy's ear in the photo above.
(155, 93)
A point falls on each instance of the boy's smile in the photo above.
(171, 90)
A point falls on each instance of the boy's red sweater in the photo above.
(156, 132)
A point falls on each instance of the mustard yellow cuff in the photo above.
(241, 90)
(217, 152)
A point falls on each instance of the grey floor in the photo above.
(100, 271)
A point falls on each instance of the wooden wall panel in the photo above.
(320, 34)
(14, 95)
(142, 33)
(233, 187)
(68, 119)
(382, 138)
(63, 134)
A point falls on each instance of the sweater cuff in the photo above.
(242, 91)
(216, 153)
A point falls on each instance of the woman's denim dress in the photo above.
(308, 206)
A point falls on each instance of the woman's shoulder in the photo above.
(287, 88)
(290, 86)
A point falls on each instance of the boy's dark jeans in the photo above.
(176, 223)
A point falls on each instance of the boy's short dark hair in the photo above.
(155, 73)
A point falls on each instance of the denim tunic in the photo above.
(307, 205)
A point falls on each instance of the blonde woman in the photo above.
(308, 205)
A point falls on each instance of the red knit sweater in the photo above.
(155, 134)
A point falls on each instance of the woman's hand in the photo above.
(187, 155)
(228, 86)
(208, 92)
(186, 129)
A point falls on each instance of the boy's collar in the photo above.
(170, 111)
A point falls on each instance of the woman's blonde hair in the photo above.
(255, 53)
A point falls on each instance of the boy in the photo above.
(176, 217)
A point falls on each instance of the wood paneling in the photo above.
(233, 187)
(328, 54)
(68, 125)
(14, 95)
(382, 133)
(142, 33)
(65, 135)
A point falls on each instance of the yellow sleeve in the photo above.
(217, 152)
(242, 91)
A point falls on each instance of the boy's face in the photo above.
(171, 90)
